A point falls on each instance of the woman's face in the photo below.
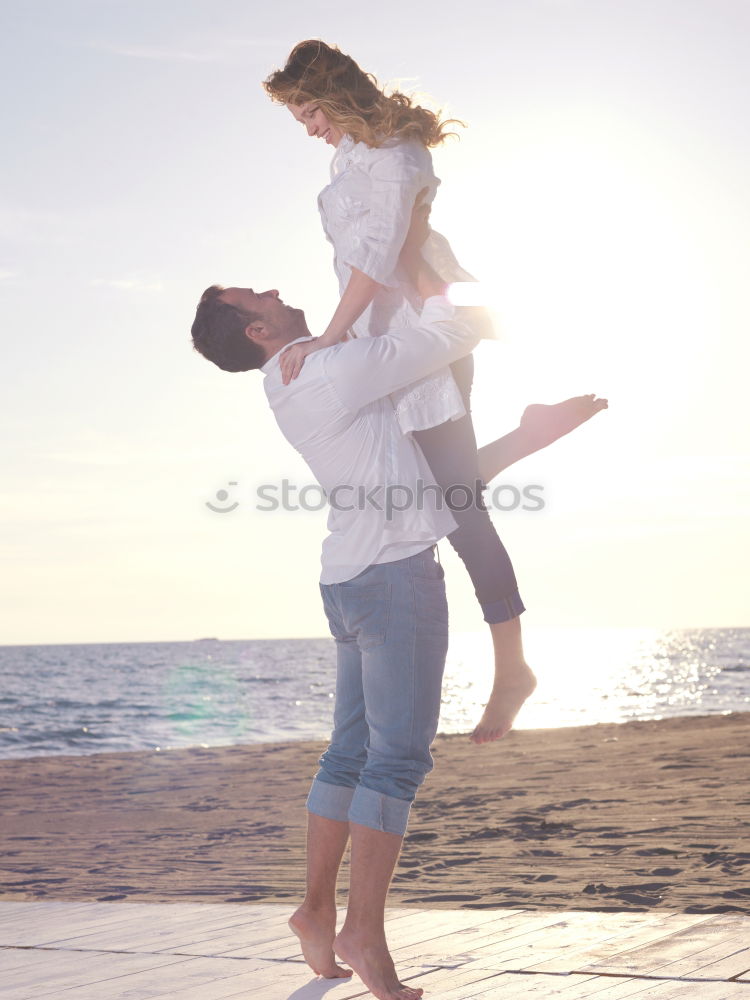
(316, 123)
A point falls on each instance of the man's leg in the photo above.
(362, 942)
(314, 922)
(329, 800)
(401, 616)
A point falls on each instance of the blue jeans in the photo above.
(390, 624)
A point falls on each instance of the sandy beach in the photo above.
(607, 817)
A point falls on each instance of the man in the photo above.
(382, 590)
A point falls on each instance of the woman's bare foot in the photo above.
(548, 423)
(509, 691)
(316, 931)
(372, 962)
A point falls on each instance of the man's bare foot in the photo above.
(316, 931)
(509, 692)
(548, 423)
(372, 962)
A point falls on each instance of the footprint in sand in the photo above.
(448, 897)
(648, 852)
(728, 908)
(646, 894)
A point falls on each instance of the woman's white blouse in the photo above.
(366, 211)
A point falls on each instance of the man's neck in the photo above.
(277, 346)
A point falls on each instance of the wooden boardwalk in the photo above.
(138, 951)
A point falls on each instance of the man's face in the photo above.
(316, 123)
(280, 321)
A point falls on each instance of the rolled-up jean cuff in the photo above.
(378, 811)
(330, 801)
(504, 609)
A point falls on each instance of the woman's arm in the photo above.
(357, 296)
(419, 273)
(397, 176)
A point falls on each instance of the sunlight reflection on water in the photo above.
(589, 675)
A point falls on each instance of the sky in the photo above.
(599, 191)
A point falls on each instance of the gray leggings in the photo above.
(451, 452)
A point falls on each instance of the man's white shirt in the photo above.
(384, 502)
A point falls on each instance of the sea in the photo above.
(94, 698)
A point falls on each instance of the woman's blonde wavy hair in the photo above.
(351, 99)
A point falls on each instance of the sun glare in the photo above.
(598, 266)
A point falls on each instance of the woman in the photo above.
(382, 164)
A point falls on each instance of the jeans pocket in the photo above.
(431, 606)
(366, 611)
(333, 614)
(426, 567)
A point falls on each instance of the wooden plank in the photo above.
(496, 937)
(399, 925)
(342, 989)
(453, 955)
(440, 981)
(726, 959)
(204, 939)
(10, 911)
(564, 947)
(567, 932)
(681, 950)
(16, 958)
(69, 928)
(546, 986)
(47, 929)
(636, 930)
(277, 981)
(505, 986)
(274, 975)
(202, 930)
(614, 988)
(438, 922)
(143, 985)
(584, 987)
(407, 938)
(680, 990)
(53, 972)
(146, 932)
(38, 917)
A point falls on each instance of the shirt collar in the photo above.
(274, 359)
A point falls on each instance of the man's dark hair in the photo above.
(219, 333)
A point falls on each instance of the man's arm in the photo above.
(367, 369)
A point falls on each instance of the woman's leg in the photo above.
(451, 453)
(540, 425)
